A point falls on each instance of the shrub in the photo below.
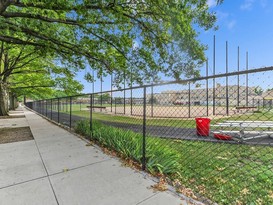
(160, 158)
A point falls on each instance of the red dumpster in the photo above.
(202, 126)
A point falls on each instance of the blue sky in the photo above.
(244, 23)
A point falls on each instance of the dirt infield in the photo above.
(172, 111)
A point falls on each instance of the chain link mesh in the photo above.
(212, 138)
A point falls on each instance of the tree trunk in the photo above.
(12, 102)
(3, 100)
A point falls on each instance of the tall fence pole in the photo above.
(189, 100)
(115, 105)
(66, 105)
(124, 93)
(213, 100)
(91, 116)
(131, 101)
(58, 110)
(238, 78)
(39, 106)
(227, 95)
(111, 91)
(46, 108)
(207, 86)
(80, 105)
(101, 92)
(131, 92)
(152, 101)
(93, 83)
(51, 107)
(247, 79)
(70, 112)
(144, 131)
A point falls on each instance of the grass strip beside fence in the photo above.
(223, 172)
(160, 158)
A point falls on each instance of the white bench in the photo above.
(243, 126)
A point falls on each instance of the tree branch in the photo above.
(61, 7)
(39, 17)
(24, 64)
(35, 86)
(28, 71)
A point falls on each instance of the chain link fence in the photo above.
(211, 137)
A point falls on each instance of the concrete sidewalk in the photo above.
(58, 168)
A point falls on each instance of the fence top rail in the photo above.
(186, 81)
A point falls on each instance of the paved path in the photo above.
(161, 131)
(58, 168)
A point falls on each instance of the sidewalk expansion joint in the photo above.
(146, 199)
(75, 168)
(44, 167)
(23, 182)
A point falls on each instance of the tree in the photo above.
(112, 36)
(104, 97)
(258, 90)
(24, 71)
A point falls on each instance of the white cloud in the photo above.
(231, 24)
(247, 5)
(211, 3)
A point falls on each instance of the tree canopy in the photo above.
(120, 36)
(26, 71)
(140, 38)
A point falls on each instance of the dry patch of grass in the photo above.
(8, 135)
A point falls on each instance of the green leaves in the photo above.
(103, 33)
(160, 157)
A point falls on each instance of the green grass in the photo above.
(224, 173)
(137, 120)
(183, 123)
(264, 115)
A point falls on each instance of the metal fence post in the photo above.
(207, 86)
(152, 101)
(214, 54)
(189, 100)
(70, 112)
(124, 102)
(227, 95)
(247, 79)
(46, 108)
(66, 105)
(238, 78)
(91, 116)
(115, 105)
(58, 109)
(51, 109)
(144, 131)
(43, 107)
(131, 100)
(111, 92)
(80, 105)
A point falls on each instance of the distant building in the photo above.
(202, 96)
